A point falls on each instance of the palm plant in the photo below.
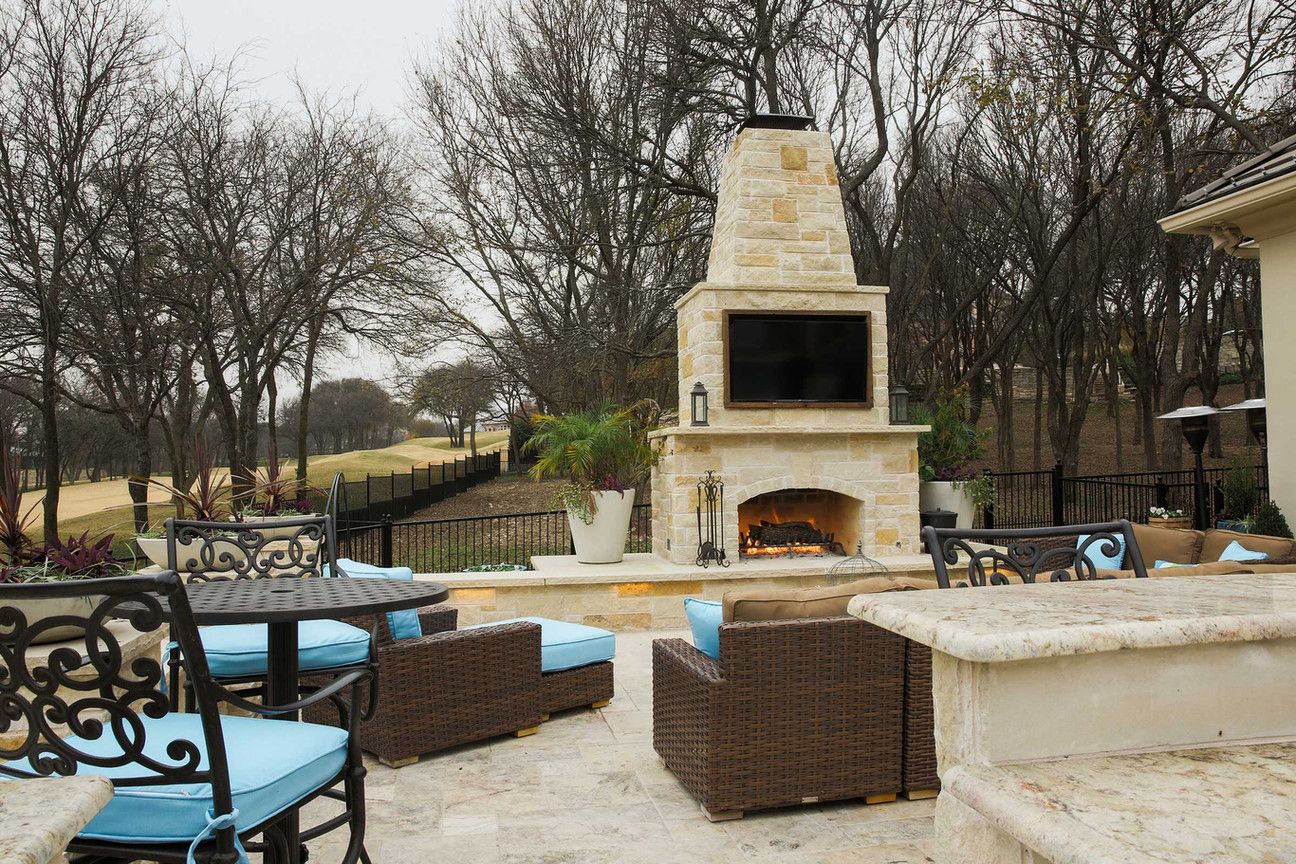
(603, 449)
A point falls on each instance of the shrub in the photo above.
(1270, 521)
(1239, 488)
(63, 560)
(947, 451)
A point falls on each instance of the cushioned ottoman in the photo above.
(575, 663)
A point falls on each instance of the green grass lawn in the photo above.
(102, 508)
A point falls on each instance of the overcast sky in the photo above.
(336, 45)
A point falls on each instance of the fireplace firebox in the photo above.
(797, 522)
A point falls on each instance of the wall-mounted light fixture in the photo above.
(699, 404)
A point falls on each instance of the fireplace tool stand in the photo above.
(710, 506)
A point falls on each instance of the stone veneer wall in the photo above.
(651, 605)
(780, 244)
(877, 467)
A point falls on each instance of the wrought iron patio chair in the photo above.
(188, 787)
(1005, 556)
(290, 548)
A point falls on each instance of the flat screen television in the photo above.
(797, 359)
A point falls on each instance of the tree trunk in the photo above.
(138, 482)
(303, 407)
(49, 427)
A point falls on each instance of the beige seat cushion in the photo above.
(1209, 568)
(1180, 545)
(1216, 541)
(775, 604)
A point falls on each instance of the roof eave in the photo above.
(1255, 211)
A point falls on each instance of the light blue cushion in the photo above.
(272, 764)
(1237, 552)
(1161, 565)
(240, 649)
(403, 623)
(705, 617)
(564, 645)
(1094, 554)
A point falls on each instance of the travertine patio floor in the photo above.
(588, 788)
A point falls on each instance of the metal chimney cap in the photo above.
(795, 122)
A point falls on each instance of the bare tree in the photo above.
(69, 82)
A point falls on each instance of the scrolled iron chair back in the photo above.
(295, 547)
(1027, 556)
(88, 689)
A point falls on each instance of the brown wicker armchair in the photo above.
(450, 687)
(795, 711)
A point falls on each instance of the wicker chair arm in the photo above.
(679, 658)
(437, 619)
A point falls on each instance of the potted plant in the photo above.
(206, 500)
(60, 561)
(604, 454)
(1240, 497)
(275, 497)
(945, 456)
(1168, 517)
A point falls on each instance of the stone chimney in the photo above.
(779, 220)
(780, 249)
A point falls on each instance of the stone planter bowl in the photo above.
(35, 610)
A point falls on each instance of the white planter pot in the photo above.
(274, 533)
(37, 610)
(188, 555)
(942, 495)
(604, 540)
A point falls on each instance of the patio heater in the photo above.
(1255, 416)
(1196, 429)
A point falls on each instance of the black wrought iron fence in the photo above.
(1033, 499)
(398, 494)
(452, 545)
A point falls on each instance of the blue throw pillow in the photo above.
(1237, 552)
(704, 618)
(403, 623)
(1094, 554)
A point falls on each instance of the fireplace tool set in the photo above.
(710, 504)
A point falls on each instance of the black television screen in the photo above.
(798, 358)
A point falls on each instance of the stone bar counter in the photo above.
(1110, 722)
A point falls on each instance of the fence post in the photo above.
(1059, 500)
(385, 552)
(368, 498)
(1162, 492)
(987, 513)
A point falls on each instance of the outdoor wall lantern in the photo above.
(1196, 429)
(1255, 415)
(899, 406)
(699, 404)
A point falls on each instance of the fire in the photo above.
(784, 524)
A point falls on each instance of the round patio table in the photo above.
(281, 603)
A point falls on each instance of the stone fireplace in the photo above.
(811, 464)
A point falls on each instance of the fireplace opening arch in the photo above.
(798, 522)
